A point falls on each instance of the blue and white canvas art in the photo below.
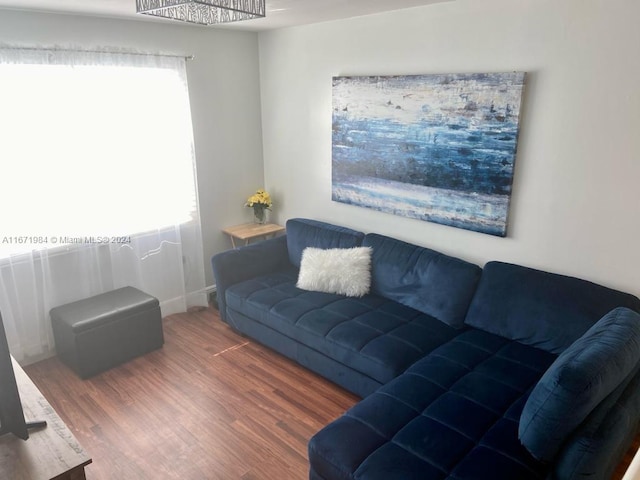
(439, 148)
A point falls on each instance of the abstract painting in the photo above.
(439, 148)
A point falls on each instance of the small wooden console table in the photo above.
(250, 231)
(51, 452)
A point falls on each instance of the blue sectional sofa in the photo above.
(504, 372)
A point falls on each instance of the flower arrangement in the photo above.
(260, 202)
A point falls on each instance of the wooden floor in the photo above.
(209, 405)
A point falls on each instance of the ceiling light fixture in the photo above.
(204, 12)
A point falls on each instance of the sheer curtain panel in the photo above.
(99, 186)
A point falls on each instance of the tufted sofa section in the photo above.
(359, 343)
(377, 337)
(543, 384)
(454, 414)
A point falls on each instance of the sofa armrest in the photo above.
(235, 266)
(598, 445)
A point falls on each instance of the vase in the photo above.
(260, 215)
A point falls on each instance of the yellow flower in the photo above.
(260, 199)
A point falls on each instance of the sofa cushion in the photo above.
(346, 271)
(429, 281)
(581, 377)
(373, 335)
(303, 233)
(542, 309)
(453, 414)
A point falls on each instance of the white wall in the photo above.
(576, 196)
(224, 91)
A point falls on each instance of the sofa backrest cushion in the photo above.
(429, 281)
(545, 310)
(579, 379)
(303, 233)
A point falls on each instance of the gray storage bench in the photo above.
(100, 332)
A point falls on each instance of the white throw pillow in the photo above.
(346, 271)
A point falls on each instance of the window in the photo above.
(93, 146)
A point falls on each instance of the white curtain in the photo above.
(98, 186)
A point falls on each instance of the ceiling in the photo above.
(280, 13)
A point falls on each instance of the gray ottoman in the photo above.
(98, 333)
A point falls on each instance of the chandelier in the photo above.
(204, 12)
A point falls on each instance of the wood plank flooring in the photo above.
(210, 404)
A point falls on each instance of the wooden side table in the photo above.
(250, 231)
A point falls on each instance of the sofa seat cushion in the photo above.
(453, 414)
(373, 335)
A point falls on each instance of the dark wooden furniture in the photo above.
(51, 452)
